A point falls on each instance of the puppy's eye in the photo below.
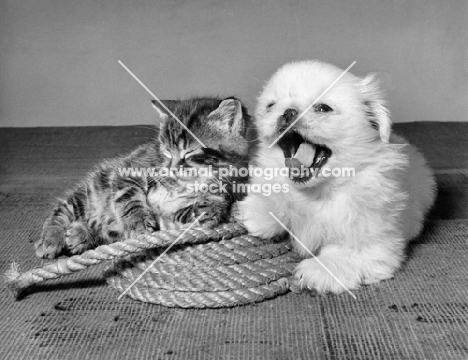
(323, 108)
(270, 105)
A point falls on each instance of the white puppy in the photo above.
(357, 224)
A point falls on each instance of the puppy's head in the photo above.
(325, 120)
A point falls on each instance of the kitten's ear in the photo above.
(377, 113)
(169, 104)
(230, 114)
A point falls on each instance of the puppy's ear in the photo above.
(229, 114)
(376, 111)
(163, 113)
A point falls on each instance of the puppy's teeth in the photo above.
(305, 154)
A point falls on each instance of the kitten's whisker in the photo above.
(133, 181)
(139, 138)
(258, 138)
(260, 81)
(149, 127)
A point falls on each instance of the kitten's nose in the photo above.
(288, 117)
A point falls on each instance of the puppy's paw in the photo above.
(77, 238)
(259, 227)
(257, 219)
(326, 276)
(340, 268)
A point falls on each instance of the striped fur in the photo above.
(109, 206)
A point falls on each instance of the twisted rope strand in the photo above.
(220, 267)
(18, 282)
(220, 278)
(171, 264)
(170, 298)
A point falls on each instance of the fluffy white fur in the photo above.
(358, 226)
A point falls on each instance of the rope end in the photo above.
(12, 278)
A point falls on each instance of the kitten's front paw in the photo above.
(202, 212)
(150, 223)
(209, 218)
(77, 238)
(144, 223)
(51, 243)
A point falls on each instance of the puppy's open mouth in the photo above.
(303, 158)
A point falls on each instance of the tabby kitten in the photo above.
(109, 206)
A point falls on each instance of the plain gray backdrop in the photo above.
(58, 58)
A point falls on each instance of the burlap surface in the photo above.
(421, 314)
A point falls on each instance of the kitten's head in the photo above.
(207, 131)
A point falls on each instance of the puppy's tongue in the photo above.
(303, 157)
(315, 155)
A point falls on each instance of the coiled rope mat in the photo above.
(208, 268)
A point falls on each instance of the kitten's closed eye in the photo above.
(205, 158)
(194, 157)
(197, 159)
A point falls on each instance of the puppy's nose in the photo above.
(288, 117)
(289, 114)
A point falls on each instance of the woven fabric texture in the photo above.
(421, 314)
